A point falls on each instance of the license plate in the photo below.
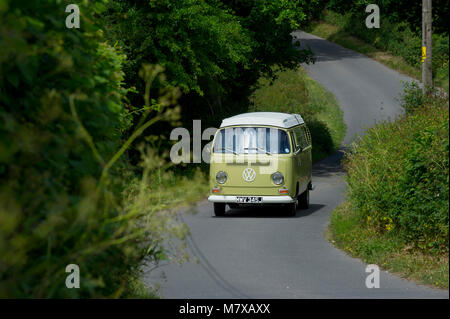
(248, 199)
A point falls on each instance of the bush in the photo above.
(398, 11)
(398, 173)
(67, 196)
(323, 144)
(213, 50)
(412, 97)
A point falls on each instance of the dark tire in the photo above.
(291, 209)
(303, 199)
(219, 209)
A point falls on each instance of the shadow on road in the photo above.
(269, 212)
(324, 50)
(330, 165)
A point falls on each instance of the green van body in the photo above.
(295, 166)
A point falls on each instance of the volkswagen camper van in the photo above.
(261, 158)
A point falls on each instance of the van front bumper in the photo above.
(265, 199)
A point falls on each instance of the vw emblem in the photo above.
(249, 174)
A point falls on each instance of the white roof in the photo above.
(277, 119)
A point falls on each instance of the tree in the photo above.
(214, 50)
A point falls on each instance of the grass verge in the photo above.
(169, 190)
(172, 190)
(386, 250)
(293, 91)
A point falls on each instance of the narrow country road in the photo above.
(259, 254)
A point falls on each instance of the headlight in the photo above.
(278, 178)
(221, 177)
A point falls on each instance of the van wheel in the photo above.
(303, 199)
(291, 209)
(219, 209)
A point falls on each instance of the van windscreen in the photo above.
(252, 140)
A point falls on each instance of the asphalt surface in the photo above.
(256, 253)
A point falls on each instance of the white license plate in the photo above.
(248, 199)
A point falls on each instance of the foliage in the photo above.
(214, 50)
(294, 92)
(67, 193)
(69, 126)
(191, 39)
(398, 11)
(386, 249)
(398, 175)
(413, 97)
(396, 37)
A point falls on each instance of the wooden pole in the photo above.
(427, 78)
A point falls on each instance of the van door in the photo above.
(307, 154)
(297, 158)
(303, 154)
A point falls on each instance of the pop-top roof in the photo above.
(277, 119)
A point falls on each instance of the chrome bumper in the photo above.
(265, 199)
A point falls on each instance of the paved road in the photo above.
(257, 253)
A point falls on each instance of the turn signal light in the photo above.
(216, 190)
(283, 191)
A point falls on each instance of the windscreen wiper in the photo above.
(258, 149)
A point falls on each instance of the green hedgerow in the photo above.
(67, 195)
(398, 173)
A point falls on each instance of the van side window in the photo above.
(301, 137)
(295, 140)
(307, 134)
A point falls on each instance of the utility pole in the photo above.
(426, 45)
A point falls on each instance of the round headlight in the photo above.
(278, 178)
(221, 177)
